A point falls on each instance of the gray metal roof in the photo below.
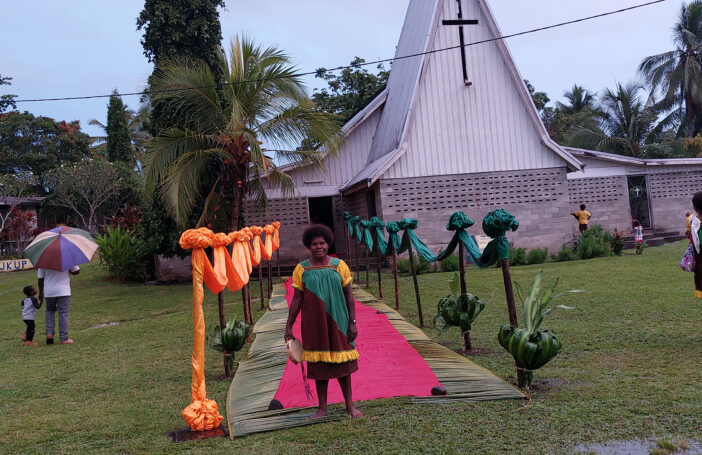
(613, 157)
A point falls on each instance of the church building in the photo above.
(457, 130)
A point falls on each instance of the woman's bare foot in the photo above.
(353, 412)
(319, 414)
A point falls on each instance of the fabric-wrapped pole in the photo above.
(376, 227)
(348, 234)
(355, 220)
(276, 244)
(256, 259)
(409, 224)
(202, 413)
(393, 241)
(368, 241)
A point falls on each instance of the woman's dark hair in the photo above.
(28, 290)
(636, 223)
(317, 230)
(697, 201)
(582, 206)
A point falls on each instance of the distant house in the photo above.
(30, 204)
(450, 133)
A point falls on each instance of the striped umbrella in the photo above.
(61, 248)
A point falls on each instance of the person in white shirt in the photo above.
(56, 287)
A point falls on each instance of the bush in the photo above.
(517, 256)
(403, 266)
(422, 265)
(123, 254)
(594, 243)
(566, 254)
(450, 264)
(617, 244)
(537, 256)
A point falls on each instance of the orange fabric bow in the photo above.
(239, 266)
(202, 414)
(276, 235)
(257, 244)
(268, 246)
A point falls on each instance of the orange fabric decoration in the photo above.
(257, 244)
(238, 265)
(276, 235)
(268, 246)
(201, 414)
(249, 263)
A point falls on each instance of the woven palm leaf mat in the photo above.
(258, 375)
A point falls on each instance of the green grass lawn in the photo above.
(629, 369)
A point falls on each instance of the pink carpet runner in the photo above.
(388, 366)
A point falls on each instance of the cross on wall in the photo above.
(461, 22)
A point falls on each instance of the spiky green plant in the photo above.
(458, 310)
(230, 339)
(531, 346)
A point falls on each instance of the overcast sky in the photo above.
(89, 47)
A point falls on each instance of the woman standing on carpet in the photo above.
(323, 294)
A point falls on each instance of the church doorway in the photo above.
(322, 212)
(638, 200)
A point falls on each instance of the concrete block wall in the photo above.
(538, 199)
(606, 198)
(293, 214)
(670, 197)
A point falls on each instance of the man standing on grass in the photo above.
(56, 287)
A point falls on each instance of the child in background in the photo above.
(30, 305)
(583, 217)
(638, 232)
(688, 217)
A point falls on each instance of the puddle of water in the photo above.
(109, 324)
(633, 448)
(185, 434)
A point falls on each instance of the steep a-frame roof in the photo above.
(418, 34)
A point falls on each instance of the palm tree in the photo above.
(677, 74)
(579, 98)
(628, 125)
(221, 129)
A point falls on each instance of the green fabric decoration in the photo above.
(459, 222)
(347, 217)
(394, 240)
(409, 225)
(496, 224)
(355, 221)
(367, 237)
(377, 224)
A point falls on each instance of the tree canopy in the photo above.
(39, 144)
(7, 102)
(350, 90)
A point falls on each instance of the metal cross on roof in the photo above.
(461, 22)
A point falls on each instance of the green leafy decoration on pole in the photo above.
(459, 310)
(530, 346)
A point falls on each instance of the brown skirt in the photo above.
(322, 370)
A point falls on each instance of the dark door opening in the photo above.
(370, 204)
(638, 200)
(322, 212)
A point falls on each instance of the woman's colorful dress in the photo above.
(695, 233)
(325, 319)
